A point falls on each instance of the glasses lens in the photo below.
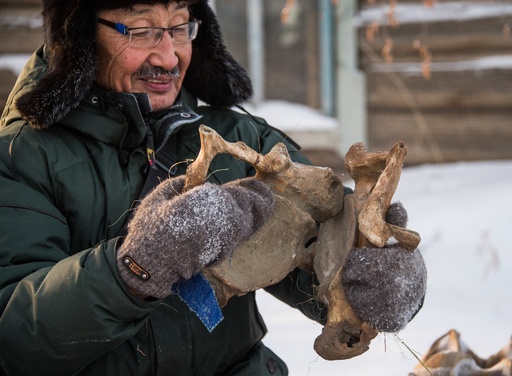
(180, 34)
(193, 28)
(150, 37)
(184, 33)
(145, 37)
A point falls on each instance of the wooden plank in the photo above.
(7, 81)
(20, 29)
(453, 40)
(370, 3)
(464, 114)
(458, 136)
(37, 3)
(20, 42)
(475, 89)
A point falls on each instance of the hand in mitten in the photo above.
(397, 215)
(386, 286)
(173, 236)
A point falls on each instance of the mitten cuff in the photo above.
(137, 278)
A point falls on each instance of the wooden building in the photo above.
(461, 111)
(461, 107)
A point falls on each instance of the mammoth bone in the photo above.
(360, 224)
(307, 195)
(450, 356)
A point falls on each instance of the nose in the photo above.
(164, 53)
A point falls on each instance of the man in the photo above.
(95, 253)
(111, 98)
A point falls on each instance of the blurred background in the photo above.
(435, 74)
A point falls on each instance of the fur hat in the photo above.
(70, 32)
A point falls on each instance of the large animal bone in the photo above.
(344, 335)
(304, 196)
(450, 356)
(376, 177)
(315, 190)
(268, 256)
(307, 195)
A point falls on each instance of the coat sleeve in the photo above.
(297, 290)
(57, 312)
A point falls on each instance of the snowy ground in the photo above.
(463, 212)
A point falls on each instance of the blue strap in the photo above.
(198, 295)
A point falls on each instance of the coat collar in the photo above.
(124, 119)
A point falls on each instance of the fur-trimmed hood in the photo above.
(70, 28)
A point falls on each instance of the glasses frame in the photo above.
(125, 30)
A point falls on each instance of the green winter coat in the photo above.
(65, 193)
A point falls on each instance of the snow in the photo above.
(13, 62)
(292, 116)
(463, 214)
(15, 21)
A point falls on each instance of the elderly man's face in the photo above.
(124, 68)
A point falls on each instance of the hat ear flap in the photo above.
(71, 69)
(213, 74)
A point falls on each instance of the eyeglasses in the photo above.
(144, 37)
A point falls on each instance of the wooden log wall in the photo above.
(20, 34)
(464, 110)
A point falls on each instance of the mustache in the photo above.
(153, 71)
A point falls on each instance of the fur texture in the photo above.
(70, 28)
(397, 215)
(174, 236)
(385, 286)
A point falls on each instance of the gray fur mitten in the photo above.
(386, 286)
(397, 215)
(173, 236)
